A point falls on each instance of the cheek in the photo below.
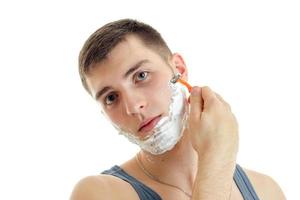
(159, 95)
(115, 117)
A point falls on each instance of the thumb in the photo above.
(195, 103)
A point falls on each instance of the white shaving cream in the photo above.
(169, 129)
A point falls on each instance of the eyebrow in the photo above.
(128, 72)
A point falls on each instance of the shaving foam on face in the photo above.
(169, 129)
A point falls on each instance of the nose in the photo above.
(135, 103)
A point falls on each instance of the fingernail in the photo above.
(195, 91)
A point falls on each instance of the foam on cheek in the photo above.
(169, 129)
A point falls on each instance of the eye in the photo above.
(140, 76)
(110, 98)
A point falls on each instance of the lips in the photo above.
(149, 124)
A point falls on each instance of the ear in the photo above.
(179, 64)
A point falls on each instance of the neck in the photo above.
(181, 160)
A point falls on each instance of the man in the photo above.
(127, 67)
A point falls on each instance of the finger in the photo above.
(209, 97)
(222, 100)
(195, 103)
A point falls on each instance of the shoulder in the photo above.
(102, 187)
(265, 186)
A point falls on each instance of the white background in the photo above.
(52, 133)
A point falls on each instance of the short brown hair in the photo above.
(102, 41)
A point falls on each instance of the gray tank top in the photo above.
(146, 193)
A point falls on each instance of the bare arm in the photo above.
(213, 183)
(265, 186)
(91, 188)
(103, 187)
(214, 135)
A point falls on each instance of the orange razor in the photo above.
(176, 78)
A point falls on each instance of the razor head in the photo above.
(175, 78)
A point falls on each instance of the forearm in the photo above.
(213, 181)
(214, 135)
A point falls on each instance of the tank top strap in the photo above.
(243, 183)
(146, 193)
(143, 191)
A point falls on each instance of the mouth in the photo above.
(148, 125)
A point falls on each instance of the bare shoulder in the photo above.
(102, 187)
(265, 186)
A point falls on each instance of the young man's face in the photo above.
(132, 86)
